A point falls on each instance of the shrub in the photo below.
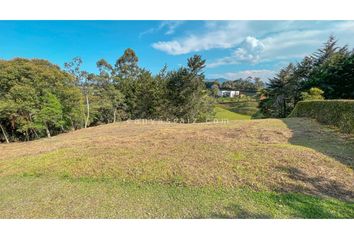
(313, 94)
(339, 113)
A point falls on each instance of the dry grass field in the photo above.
(290, 168)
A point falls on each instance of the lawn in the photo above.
(241, 107)
(273, 168)
(224, 114)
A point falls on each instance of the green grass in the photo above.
(339, 113)
(37, 197)
(241, 107)
(224, 114)
(271, 168)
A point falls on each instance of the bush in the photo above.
(339, 113)
(258, 115)
(313, 94)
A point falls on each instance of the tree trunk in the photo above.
(47, 130)
(35, 132)
(27, 135)
(115, 115)
(88, 111)
(4, 133)
(73, 128)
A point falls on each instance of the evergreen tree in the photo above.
(186, 92)
(331, 69)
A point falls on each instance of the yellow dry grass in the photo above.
(291, 155)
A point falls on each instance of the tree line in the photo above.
(248, 84)
(328, 73)
(38, 99)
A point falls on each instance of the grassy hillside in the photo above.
(243, 169)
(241, 107)
(224, 114)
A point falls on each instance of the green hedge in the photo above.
(339, 113)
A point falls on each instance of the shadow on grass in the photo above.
(340, 147)
(304, 206)
(305, 196)
(308, 133)
(288, 205)
(237, 211)
(319, 186)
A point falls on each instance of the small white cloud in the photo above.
(250, 50)
(264, 74)
(170, 27)
(222, 35)
(223, 61)
(172, 47)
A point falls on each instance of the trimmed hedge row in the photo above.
(339, 113)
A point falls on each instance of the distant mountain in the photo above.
(220, 80)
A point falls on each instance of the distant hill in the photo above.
(220, 80)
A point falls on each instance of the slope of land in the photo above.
(224, 114)
(241, 107)
(242, 169)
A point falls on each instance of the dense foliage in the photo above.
(332, 112)
(39, 99)
(330, 69)
(248, 84)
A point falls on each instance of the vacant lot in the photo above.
(243, 169)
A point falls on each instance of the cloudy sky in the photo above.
(232, 49)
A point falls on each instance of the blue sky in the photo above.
(232, 49)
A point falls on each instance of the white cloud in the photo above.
(169, 26)
(230, 60)
(219, 35)
(250, 50)
(264, 74)
(271, 40)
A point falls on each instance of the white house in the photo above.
(228, 93)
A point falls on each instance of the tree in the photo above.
(327, 51)
(126, 73)
(4, 133)
(22, 106)
(313, 94)
(22, 85)
(330, 68)
(109, 99)
(248, 84)
(3, 117)
(186, 92)
(215, 89)
(259, 84)
(82, 79)
(148, 93)
(38, 99)
(281, 92)
(127, 64)
(50, 114)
